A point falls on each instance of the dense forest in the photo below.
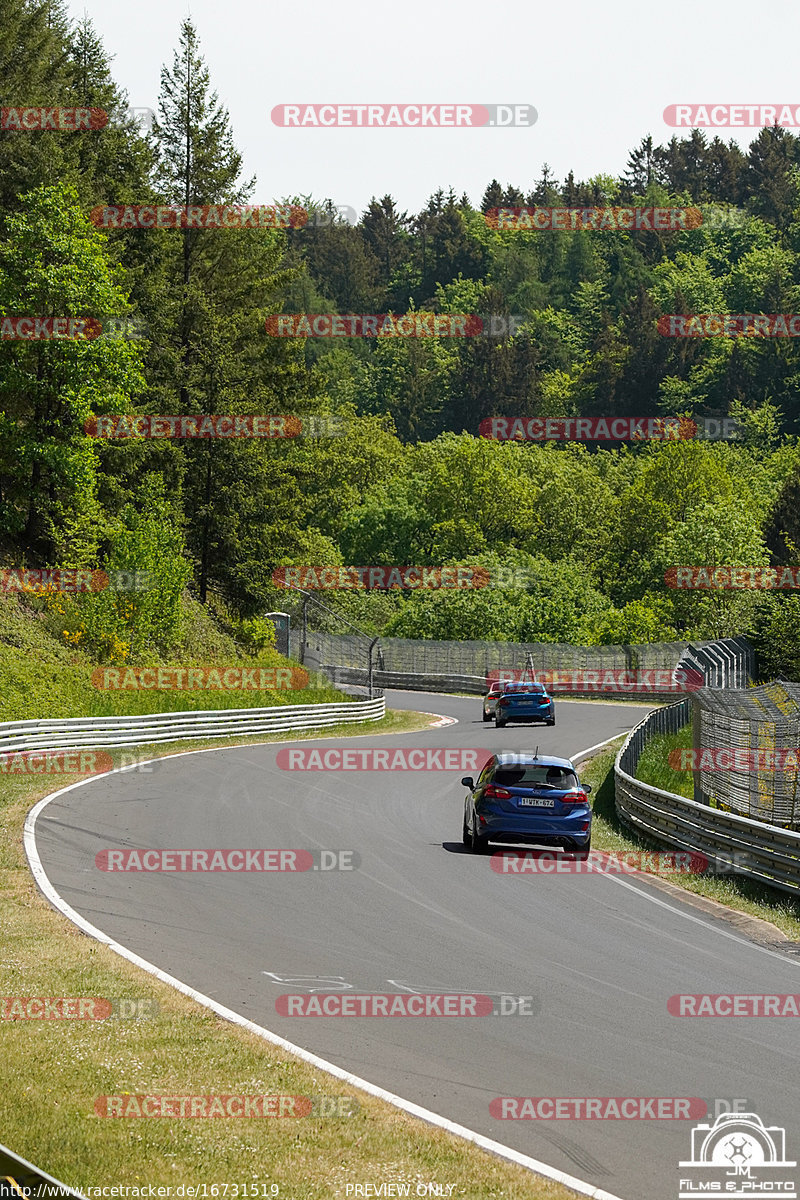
(576, 538)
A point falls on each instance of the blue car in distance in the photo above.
(524, 702)
(527, 798)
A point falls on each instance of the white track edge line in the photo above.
(646, 894)
(415, 1110)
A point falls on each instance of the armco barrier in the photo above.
(434, 666)
(752, 848)
(474, 685)
(86, 732)
(20, 1180)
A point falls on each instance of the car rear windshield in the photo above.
(536, 688)
(533, 775)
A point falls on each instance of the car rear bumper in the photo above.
(536, 827)
(509, 714)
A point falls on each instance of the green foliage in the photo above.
(775, 634)
(255, 633)
(52, 264)
(577, 538)
(527, 599)
(638, 621)
(121, 623)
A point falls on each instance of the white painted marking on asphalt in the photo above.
(497, 1148)
(440, 724)
(646, 895)
(687, 916)
(414, 1110)
(585, 753)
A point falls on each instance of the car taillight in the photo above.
(575, 798)
(496, 793)
(503, 700)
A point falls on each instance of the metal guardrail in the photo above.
(474, 685)
(737, 844)
(85, 732)
(464, 666)
(727, 663)
(419, 656)
(20, 1178)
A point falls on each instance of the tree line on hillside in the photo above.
(585, 535)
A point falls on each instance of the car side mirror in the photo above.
(587, 787)
(468, 781)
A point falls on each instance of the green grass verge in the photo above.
(610, 835)
(52, 1071)
(653, 766)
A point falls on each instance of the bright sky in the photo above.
(598, 74)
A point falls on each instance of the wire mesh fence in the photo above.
(730, 842)
(648, 669)
(726, 713)
(763, 725)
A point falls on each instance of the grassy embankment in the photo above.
(53, 1071)
(610, 835)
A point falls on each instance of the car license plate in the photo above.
(536, 802)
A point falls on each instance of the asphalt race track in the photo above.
(599, 954)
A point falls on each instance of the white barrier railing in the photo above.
(737, 844)
(86, 732)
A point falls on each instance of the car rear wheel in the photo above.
(477, 844)
(582, 852)
(499, 724)
(552, 721)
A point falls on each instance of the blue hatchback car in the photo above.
(528, 798)
(524, 702)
